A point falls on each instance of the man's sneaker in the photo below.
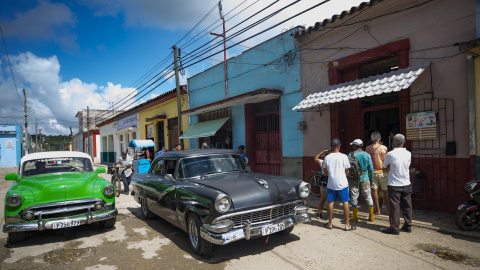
(405, 229)
(389, 231)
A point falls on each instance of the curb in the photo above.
(415, 223)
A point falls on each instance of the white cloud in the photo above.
(47, 21)
(52, 101)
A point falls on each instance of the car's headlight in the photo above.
(223, 203)
(14, 200)
(108, 190)
(304, 190)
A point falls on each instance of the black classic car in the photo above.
(216, 199)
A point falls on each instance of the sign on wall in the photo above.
(421, 126)
(9, 144)
(128, 121)
(150, 131)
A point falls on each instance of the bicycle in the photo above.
(116, 182)
(317, 180)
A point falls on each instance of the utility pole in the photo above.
(36, 135)
(179, 101)
(26, 123)
(41, 140)
(88, 132)
(220, 10)
(71, 138)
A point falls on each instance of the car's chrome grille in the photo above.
(62, 209)
(263, 215)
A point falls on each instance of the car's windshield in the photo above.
(198, 166)
(56, 165)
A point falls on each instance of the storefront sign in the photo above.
(421, 126)
(129, 121)
(8, 132)
(150, 131)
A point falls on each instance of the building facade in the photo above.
(253, 108)
(390, 66)
(11, 150)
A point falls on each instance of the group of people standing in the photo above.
(378, 169)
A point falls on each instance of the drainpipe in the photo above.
(471, 108)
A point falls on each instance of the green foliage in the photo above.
(55, 142)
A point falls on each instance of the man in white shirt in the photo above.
(336, 166)
(125, 170)
(397, 162)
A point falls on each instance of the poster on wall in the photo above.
(9, 144)
(422, 126)
(149, 131)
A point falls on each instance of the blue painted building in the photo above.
(264, 84)
(11, 137)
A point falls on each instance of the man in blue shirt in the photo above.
(241, 151)
(363, 184)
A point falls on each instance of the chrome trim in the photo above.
(302, 185)
(222, 227)
(93, 200)
(47, 224)
(18, 218)
(249, 230)
(256, 209)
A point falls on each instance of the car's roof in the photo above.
(198, 152)
(54, 154)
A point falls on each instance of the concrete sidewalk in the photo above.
(440, 222)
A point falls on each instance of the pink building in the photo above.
(388, 65)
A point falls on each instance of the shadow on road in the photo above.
(219, 254)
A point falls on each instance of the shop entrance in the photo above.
(382, 121)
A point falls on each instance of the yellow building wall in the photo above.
(168, 108)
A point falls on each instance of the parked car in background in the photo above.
(212, 196)
(54, 190)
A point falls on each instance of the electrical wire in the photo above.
(11, 70)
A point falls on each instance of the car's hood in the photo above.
(246, 189)
(50, 188)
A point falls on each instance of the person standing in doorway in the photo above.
(397, 162)
(380, 178)
(178, 147)
(125, 170)
(336, 165)
(363, 183)
(241, 151)
(323, 186)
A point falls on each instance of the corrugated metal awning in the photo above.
(204, 129)
(386, 83)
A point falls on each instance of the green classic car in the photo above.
(55, 190)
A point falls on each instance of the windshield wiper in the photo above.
(207, 173)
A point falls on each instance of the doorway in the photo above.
(382, 121)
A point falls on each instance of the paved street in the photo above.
(155, 244)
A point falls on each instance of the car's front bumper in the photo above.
(248, 230)
(47, 224)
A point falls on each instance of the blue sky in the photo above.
(73, 54)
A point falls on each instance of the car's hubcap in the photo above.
(193, 233)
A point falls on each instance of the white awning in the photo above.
(385, 83)
(141, 143)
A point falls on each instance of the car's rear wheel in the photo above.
(146, 213)
(108, 223)
(197, 243)
(15, 237)
(286, 231)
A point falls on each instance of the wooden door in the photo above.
(268, 145)
(172, 133)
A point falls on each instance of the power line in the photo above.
(11, 70)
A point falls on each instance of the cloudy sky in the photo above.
(68, 55)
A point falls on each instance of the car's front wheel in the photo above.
(108, 223)
(197, 243)
(15, 237)
(146, 213)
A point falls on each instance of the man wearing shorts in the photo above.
(380, 177)
(336, 166)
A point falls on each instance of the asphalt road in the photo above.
(135, 243)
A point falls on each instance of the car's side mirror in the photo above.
(100, 170)
(169, 177)
(11, 176)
